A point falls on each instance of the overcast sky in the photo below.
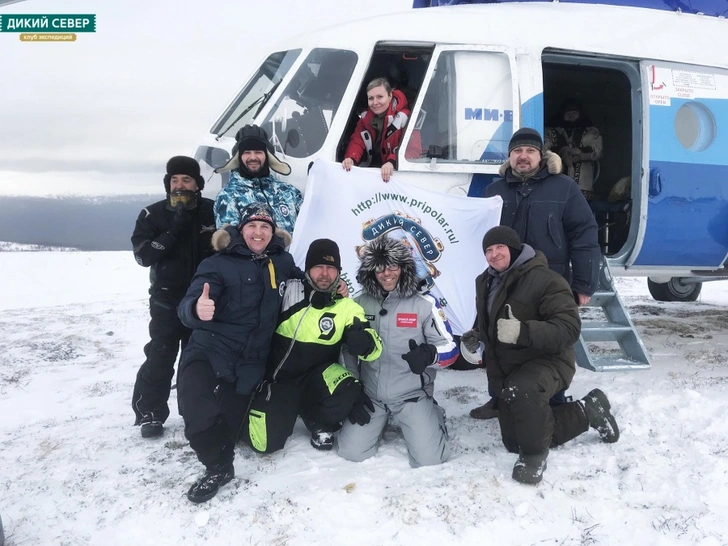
(145, 86)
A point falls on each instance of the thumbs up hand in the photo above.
(359, 342)
(509, 328)
(420, 356)
(205, 307)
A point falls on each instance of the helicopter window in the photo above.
(256, 93)
(467, 110)
(300, 119)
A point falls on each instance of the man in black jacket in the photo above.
(171, 237)
(232, 306)
(528, 322)
(549, 212)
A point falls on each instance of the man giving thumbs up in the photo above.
(529, 321)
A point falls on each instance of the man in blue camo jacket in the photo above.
(251, 181)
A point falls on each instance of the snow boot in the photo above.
(322, 439)
(489, 410)
(529, 469)
(322, 436)
(151, 427)
(596, 408)
(207, 486)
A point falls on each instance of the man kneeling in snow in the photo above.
(232, 308)
(528, 321)
(400, 383)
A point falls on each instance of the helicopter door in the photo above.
(686, 166)
(465, 113)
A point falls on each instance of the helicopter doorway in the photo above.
(608, 92)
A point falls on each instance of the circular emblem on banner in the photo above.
(285, 211)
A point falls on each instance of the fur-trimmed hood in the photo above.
(382, 252)
(550, 160)
(223, 237)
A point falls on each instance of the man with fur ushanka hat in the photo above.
(251, 181)
(548, 212)
(232, 307)
(399, 384)
(303, 375)
(528, 322)
(171, 237)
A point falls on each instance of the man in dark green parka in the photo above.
(528, 322)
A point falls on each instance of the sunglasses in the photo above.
(387, 268)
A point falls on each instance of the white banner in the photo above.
(445, 231)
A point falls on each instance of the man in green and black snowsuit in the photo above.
(303, 375)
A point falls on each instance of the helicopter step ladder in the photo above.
(617, 328)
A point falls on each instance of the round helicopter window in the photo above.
(695, 126)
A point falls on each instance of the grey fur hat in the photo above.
(380, 253)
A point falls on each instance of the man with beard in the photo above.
(171, 237)
(549, 213)
(251, 181)
(303, 375)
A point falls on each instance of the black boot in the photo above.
(529, 468)
(207, 486)
(322, 439)
(489, 410)
(151, 426)
(596, 408)
(322, 436)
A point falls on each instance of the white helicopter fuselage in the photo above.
(654, 82)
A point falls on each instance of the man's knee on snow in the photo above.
(353, 453)
(430, 457)
(256, 434)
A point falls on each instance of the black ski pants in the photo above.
(528, 423)
(154, 379)
(212, 410)
(323, 397)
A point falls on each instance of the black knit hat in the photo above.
(181, 164)
(323, 252)
(502, 235)
(525, 136)
(257, 211)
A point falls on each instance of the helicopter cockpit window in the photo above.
(467, 110)
(300, 120)
(256, 93)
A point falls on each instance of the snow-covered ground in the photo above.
(74, 471)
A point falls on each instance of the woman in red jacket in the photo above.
(379, 131)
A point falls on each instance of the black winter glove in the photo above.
(420, 356)
(181, 222)
(359, 414)
(359, 342)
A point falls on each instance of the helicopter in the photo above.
(654, 81)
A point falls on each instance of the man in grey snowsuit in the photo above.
(399, 384)
(251, 181)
